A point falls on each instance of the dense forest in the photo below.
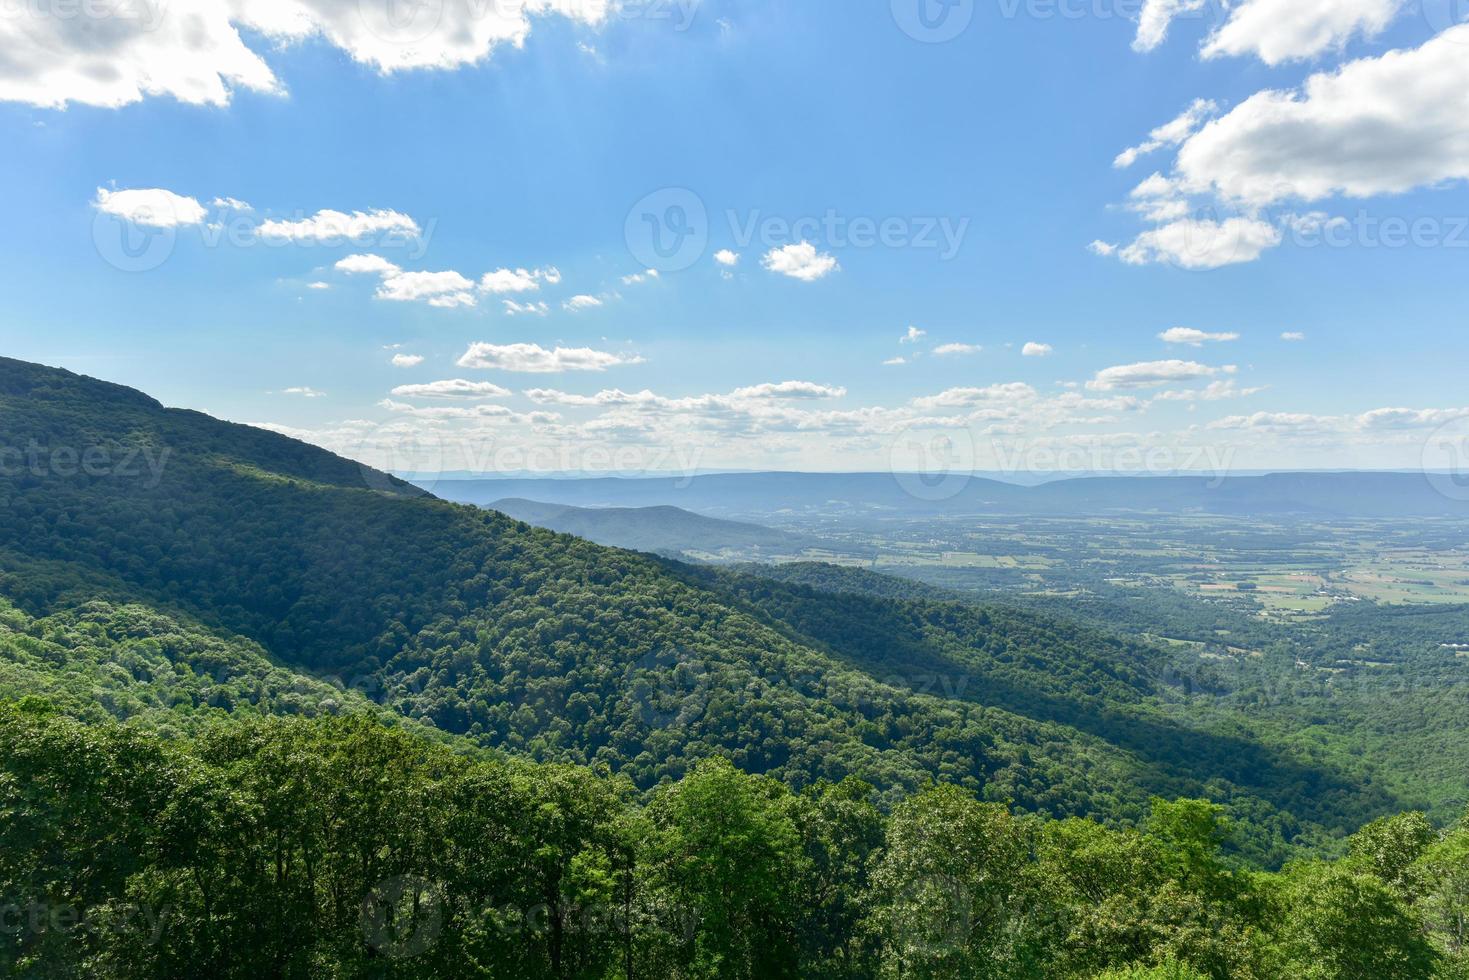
(269, 712)
(550, 647)
(298, 848)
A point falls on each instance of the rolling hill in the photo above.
(662, 530)
(757, 495)
(523, 641)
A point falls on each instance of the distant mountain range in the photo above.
(657, 529)
(164, 566)
(758, 495)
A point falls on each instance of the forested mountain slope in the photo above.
(561, 650)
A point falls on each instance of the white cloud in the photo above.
(913, 336)
(727, 258)
(119, 53)
(1293, 335)
(149, 208)
(948, 350)
(1380, 125)
(338, 227)
(1034, 349)
(433, 35)
(503, 281)
(407, 360)
(440, 289)
(583, 302)
(1102, 248)
(790, 389)
(801, 261)
(230, 204)
(1203, 243)
(640, 277)
(374, 265)
(319, 285)
(444, 290)
(1194, 338)
(1150, 374)
(1157, 16)
(1277, 31)
(456, 388)
(1212, 392)
(894, 361)
(512, 308)
(304, 392)
(970, 397)
(535, 359)
(1171, 133)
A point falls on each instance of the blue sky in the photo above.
(988, 162)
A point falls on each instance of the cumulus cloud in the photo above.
(1034, 349)
(1194, 338)
(1277, 31)
(727, 258)
(1203, 243)
(374, 265)
(503, 281)
(1169, 134)
(326, 227)
(535, 359)
(407, 360)
(1150, 374)
(456, 388)
(123, 51)
(1293, 335)
(1381, 125)
(583, 302)
(790, 389)
(439, 289)
(970, 397)
(913, 336)
(801, 261)
(444, 290)
(951, 350)
(1157, 16)
(512, 308)
(304, 392)
(640, 277)
(149, 208)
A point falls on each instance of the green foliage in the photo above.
(1337, 923)
(280, 562)
(337, 847)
